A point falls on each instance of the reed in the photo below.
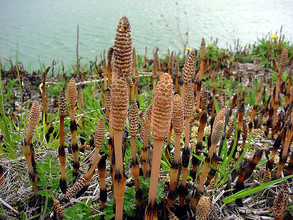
(72, 97)
(188, 103)
(61, 151)
(160, 123)
(200, 72)
(27, 146)
(178, 126)
(189, 70)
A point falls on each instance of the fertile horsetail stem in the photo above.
(61, 151)
(44, 77)
(72, 96)
(155, 71)
(33, 120)
(201, 72)
(109, 58)
(133, 119)
(188, 103)
(122, 64)
(146, 125)
(177, 87)
(195, 161)
(178, 126)
(215, 138)
(119, 107)
(122, 56)
(102, 172)
(260, 85)
(160, 123)
(281, 201)
(189, 69)
(203, 208)
(158, 63)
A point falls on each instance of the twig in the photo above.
(9, 207)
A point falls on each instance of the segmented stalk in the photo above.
(160, 123)
(61, 151)
(72, 97)
(27, 146)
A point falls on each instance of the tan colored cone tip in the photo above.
(62, 103)
(188, 100)
(162, 107)
(119, 103)
(71, 92)
(34, 115)
(178, 114)
(133, 118)
(122, 57)
(189, 66)
(100, 132)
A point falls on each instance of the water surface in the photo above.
(39, 31)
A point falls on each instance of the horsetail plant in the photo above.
(215, 138)
(146, 125)
(276, 97)
(261, 82)
(133, 119)
(34, 116)
(200, 72)
(203, 208)
(281, 201)
(188, 103)
(44, 77)
(72, 96)
(119, 108)
(189, 70)
(61, 150)
(178, 126)
(160, 123)
(199, 147)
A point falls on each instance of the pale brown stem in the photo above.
(187, 125)
(118, 150)
(133, 147)
(183, 89)
(156, 162)
(177, 148)
(154, 84)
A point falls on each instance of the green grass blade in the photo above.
(247, 192)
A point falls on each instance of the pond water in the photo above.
(37, 32)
